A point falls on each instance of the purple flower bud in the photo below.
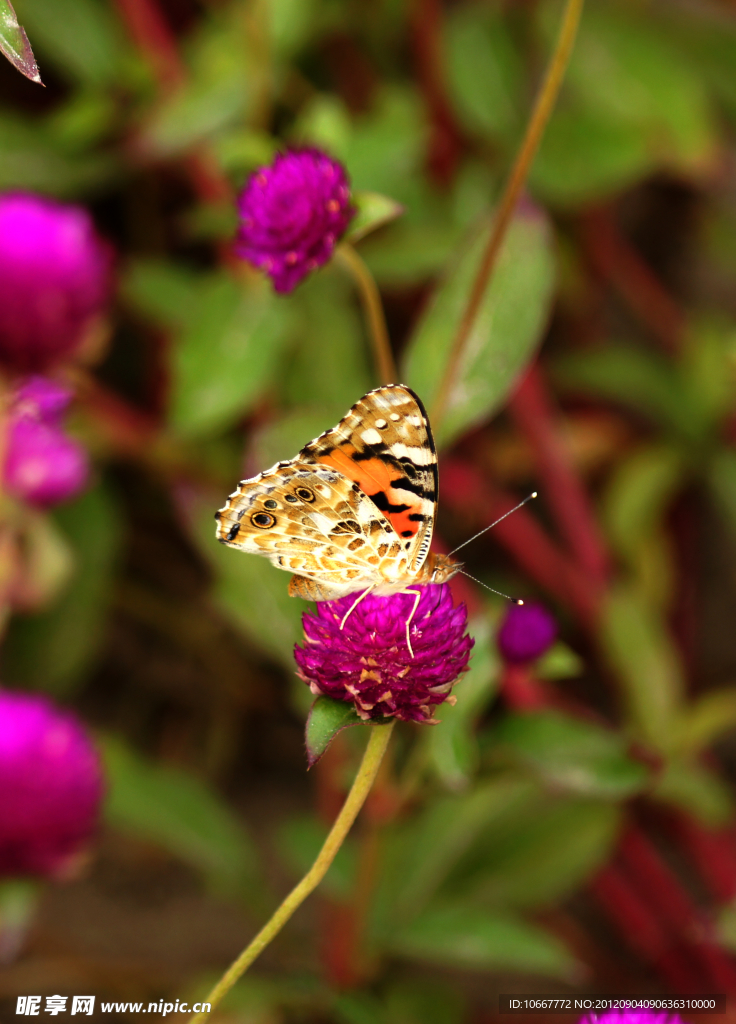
(368, 662)
(41, 399)
(526, 632)
(42, 465)
(50, 787)
(292, 214)
(54, 280)
(631, 1017)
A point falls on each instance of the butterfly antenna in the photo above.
(500, 519)
(514, 600)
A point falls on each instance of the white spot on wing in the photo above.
(371, 436)
(419, 456)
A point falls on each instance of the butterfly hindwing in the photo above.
(314, 522)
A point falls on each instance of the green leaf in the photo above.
(721, 475)
(708, 719)
(433, 1002)
(404, 1002)
(385, 148)
(506, 332)
(636, 378)
(228, 353)
(467, 937)
(452, 747)
(574, 755)
(726, 927)
(53, 649)
(484, 70)
(163, 291)
(408, 254)
(328, 367)
(300, 840)
(292, 23)
(224, 77)
(82, 37)
(326, 719)
(632, 103)
(448, 828)
(14, 43)
(637, 497)
(695, 789)
(48, 561)
(372, 211)
(584, 157)
(32, 159)
(250, 592)
(560, 662)
(537, 853)
(644, 657)
(170, 807)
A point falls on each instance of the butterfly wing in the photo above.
(314, 522)
(384, 444)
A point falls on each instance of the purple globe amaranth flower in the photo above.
(369, 663)
(292, 214)
(51, 787)
(39, 398)
(527, 631)
(54, 280)
(631, 1017)
(43, 466)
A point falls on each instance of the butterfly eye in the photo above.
(305, 494)
(263, 520)
(270, 503)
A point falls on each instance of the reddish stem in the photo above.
(714, 854)
(531, 406)
(616, 260)
(152, 35)
(445, 142)
(641, 929)
(662, 889)
(464, 488)
(522, 691)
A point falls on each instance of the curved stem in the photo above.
(373, 308)
(535, 129)
(374, 751)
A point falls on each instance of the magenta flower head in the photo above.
(631, 1017)
(54, 280)
(369, 663)
(292, 214)
(43, 466)
(51, 787)
(527, 631)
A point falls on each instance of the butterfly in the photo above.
(354, 510)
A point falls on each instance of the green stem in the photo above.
(373, 308)
(533, 136)
(374, 751)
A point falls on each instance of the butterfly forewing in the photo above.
(354, 510)
(384, 444)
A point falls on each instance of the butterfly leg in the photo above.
(417, 597)
(354, 605)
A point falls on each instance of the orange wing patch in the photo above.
(375, 477)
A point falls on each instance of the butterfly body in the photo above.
(354, 510)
